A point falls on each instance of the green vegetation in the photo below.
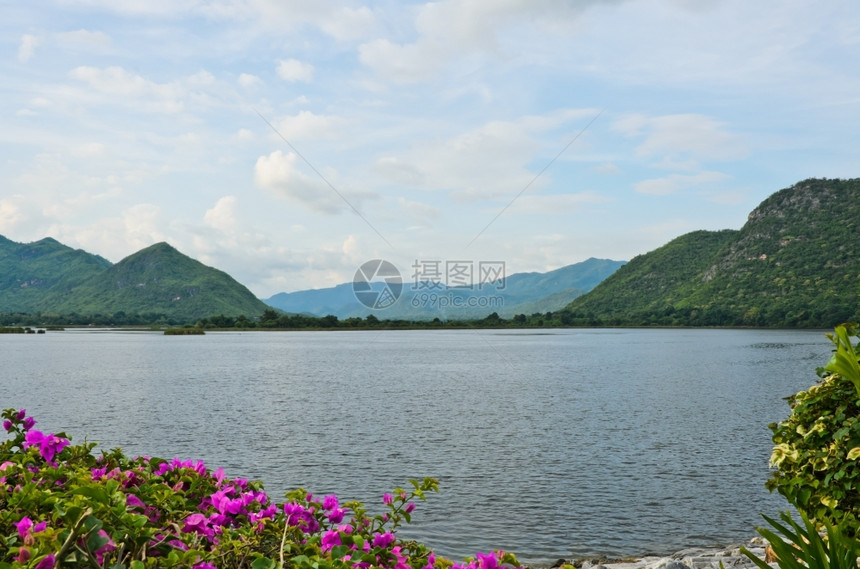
(818, 445)
(63, 506)
(816, 454)
(804, 547)
(795, 263)
(185, 331)
(35, 276)
(155, 285)
(11, 330)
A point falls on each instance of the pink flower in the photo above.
(28, 423)
(330, 539)
(410, 507)
(330, 502)
(132, 501)
(7, 424)
(387, 499)
(336, 515)
(383, 540)
(24, 525)
(47, 562)
(49, 445)
(487, 561)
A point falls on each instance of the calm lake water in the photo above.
(553, 445)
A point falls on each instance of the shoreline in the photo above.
(692, 558)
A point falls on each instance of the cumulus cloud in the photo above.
(27, 47)
(280, 173)
(294, 70)
(10, 215)
(222, 215)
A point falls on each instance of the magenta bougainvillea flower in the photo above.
(49, 445)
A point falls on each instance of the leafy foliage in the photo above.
(32, 273)
(803, 547)
(818, 446)
(795, 263)
(60, 505)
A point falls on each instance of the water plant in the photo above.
(61, 505)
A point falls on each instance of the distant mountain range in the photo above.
(424, 300)
(795, 263)
(49, 277)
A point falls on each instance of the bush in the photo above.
(62, 506)
(803, 547)
(817, 448)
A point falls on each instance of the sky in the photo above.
(287, 142)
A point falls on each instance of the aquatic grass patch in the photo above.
(62, 505)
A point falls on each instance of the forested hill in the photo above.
(159, 282)
(795, 263)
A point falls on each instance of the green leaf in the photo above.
(263, 563)
(97, 540)
(853, 454)
(96, 493)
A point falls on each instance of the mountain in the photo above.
(34, 275)
(49, 277)
(522, 292)
(794, 263)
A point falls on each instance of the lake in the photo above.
(551, 444)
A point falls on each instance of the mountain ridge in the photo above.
(794, 263)
(48, 277)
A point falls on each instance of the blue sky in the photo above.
(125, 123)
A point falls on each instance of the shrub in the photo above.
(63, 506)
(803, 547)
(817, 447)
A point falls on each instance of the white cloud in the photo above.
(123, 86)
(345, 24)
(10, 215)
(494, 160)
(451, 30)
(683, 135)
(294, 70)
(248, 81)
(279, 172)
(27, 47)
(222, 216)
(307, 125)
(677, 182)
(245, 134)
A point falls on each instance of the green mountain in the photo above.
(34, 275)
(48, 277)
(795, 263)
